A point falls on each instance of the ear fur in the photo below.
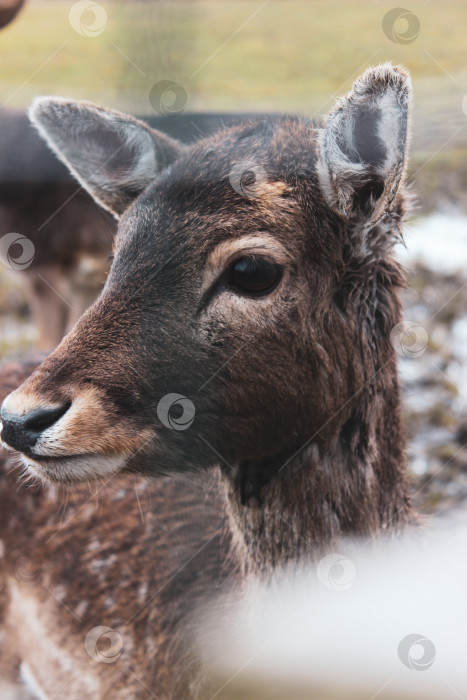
(363, 146)
(113, 155)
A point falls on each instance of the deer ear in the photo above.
(362, 148)
(113, 156)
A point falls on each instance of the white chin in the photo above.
(75, 468)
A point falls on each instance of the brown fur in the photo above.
(296, 392)
(166, 544)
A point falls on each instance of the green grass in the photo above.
(244, 55)
(292, 55)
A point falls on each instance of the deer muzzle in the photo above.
(67, 441)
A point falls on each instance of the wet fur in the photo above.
(296, 395)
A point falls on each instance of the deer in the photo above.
(237, 370)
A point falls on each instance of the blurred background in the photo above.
(188, 65)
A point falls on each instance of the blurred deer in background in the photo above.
(71, 237)
(241, 342)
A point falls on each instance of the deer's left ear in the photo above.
(362, 148)
(113, 155)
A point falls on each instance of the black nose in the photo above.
(22, 432)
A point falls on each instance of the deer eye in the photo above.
(254, 275)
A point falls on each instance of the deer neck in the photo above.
(356, 486)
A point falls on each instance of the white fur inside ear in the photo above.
(112, 155)
(138, 141)
(145, 165)
(336, 172)
(389, 127)
(364, 138)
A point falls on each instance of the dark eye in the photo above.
(255, 275)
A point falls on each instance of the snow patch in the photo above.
(439, 241)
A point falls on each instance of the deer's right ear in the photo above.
(113, 155)
(363, 145)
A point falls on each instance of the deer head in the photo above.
(251, 293)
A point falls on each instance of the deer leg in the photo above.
(49, 307)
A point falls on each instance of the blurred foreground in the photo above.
(385, 621)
